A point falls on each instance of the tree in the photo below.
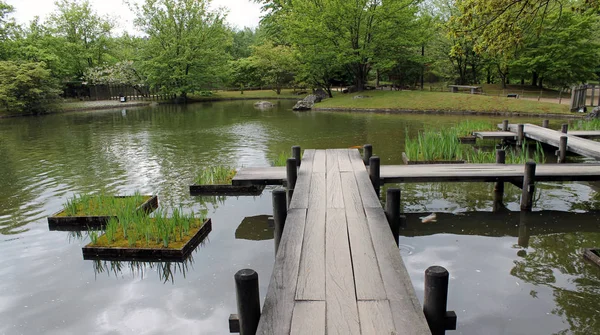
(87, 35)
(26, 86)
(362, 33)
(8, 29)
(122, 73)
(186, 45)
(276, 64)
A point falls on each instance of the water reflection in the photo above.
(166, 271)
(255, 228)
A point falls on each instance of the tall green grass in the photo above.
(467, 127)
(215, 175)
(280, 159)
(101, 204)
(593, 124)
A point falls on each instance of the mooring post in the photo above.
(546, 123)
(564, 128)
(279, 214)
(499, 186)
(528, 186)
(248, 301)
(392, 211)
(367, 153)
(505, 125)
(291, 172)
(374, 173)
(436, 299)
(520, 133)
(562, 149)
(523, 239)
(296, 154)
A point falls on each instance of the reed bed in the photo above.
(280, 160)
(467, 127)
(215, 175)
(101, 204)
(593, 124)
(139, 230)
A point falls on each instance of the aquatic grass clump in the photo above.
(467, 127)
(524, 154)
(138, 230)
(101, 204)
(430, 145)
(593, 124)
(215, 175)
(280, 160)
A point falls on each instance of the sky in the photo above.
(242, 13)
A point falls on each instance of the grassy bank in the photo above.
(439, 101)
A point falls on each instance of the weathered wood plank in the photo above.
(487, 172)
(356, 160)
(495, 135)
(406, 310)
(344, 160)
(376, 317)
(301, 192)
(589, 134)
(277, 311)
(368, 195)
(342, 311)
(311, 277)
(334, 183)
(260, 176)
(320, 161)
(309, 318)
(367, 278)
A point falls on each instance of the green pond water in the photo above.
(509, 273)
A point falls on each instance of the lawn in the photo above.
(440, 101)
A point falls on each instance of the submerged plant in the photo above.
(280, 160)
(215, 175)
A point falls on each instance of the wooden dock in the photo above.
(495, 135)
(589, 134)
(576, 144)
(338, 269)
(486, 173)
(259, 176)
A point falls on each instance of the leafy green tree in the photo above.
(87, 35)
(121, 73)
(362, 33)
(26, 86)
(243, 40)
(186, 47)
(8, 31)
(275, 64)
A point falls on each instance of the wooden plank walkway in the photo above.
(338, 269)
(486, 173)
(495, 135)
(575, 144)
(589, 134)
(260, 176)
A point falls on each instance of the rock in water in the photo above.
(594, 114)
(263, 104)
(321, 93)
(303, 105)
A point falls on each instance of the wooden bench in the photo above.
(474, 89)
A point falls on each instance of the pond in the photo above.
(509, 274)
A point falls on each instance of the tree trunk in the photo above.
(534, 78)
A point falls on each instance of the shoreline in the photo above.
(413, 111)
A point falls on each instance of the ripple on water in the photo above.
(406, 249)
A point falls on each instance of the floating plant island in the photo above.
(217, 181)
(141, 237)
(86, 211)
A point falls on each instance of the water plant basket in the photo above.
(592, 254)
(407, 161)
(77, 223)
(199, 190)
(148, 254)
(467, 139)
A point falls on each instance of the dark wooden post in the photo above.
(279, 214)
(520, 134)
(392, 211)
(296, 154)
(374, 173)
(523, 239)
(564, 128)
(546, 123)
(562, 149)
(505, 125)
(367, 153)
(528, 186)
(499, 186)
(248, 300)
(436, 299)
(292, 173)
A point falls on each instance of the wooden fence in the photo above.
(115, 92)
(579, 96)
